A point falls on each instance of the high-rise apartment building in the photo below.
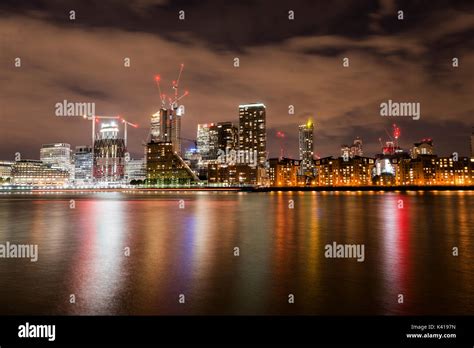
(252, 130)
(306, 150)
(223, 136)
(166, 127)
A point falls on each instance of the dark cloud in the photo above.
(94, 94)
(234, 25)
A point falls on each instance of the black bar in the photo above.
(223, 330)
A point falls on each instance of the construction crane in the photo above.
(391, 145)
(396, 134)
(175, 97)
(126, 123)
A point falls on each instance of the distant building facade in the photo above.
(285, 172)
(234, 174)
(203, 139)
(342, 171)
(223, 138)
(434, 170)
(135, 169)
(6, 170)
(58, 155)
(424, 147)
(83, 163)
(352, 151)
(37, 173)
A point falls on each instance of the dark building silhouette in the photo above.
(165, 167)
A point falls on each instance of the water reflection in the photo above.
(97, 267)
(394, 213)
(280, 236)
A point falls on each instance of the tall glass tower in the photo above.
(306, 148)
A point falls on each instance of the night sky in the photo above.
(282, 63)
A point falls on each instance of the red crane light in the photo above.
(396, 131)
(174, 98)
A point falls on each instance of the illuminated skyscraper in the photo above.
(160, 126)
(166, 127)
(213, 141)
(227, 136)
(109, 154)
(158, 120)
(176, 131)
(204, 139)
(252, 130)
(306, 148)
(222, 136)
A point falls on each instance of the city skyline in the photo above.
(389, 60)
(338, 149)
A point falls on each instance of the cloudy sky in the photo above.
(282, 62)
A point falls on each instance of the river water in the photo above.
(238, 253)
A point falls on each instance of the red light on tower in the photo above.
(396, 131)
(157, 78)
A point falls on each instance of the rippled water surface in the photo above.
(190, 251)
